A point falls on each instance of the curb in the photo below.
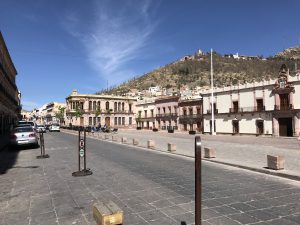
(259, 170)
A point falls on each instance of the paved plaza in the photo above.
(150, 186)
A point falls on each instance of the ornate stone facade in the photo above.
(94, 110)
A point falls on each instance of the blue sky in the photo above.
(60, 45)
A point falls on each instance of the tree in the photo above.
(60, 114)
(78, 112)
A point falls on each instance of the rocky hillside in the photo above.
(195, 71)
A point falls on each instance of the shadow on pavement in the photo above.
(8, 157)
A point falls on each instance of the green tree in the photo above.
(60, 114)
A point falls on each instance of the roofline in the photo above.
(7, 52)
(101, 96)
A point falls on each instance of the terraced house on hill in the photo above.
(10, 107)
(269, 108)
(95, 110)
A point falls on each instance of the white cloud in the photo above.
(115, 38)
(29, 105)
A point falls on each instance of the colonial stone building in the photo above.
(270, 108)
(146, 114)
(95, 110)
(190, 114)
(167, 112)
(10, 107)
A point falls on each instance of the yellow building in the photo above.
(94, 110)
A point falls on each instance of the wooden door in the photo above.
(107, 121)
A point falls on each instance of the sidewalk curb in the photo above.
(259, 170)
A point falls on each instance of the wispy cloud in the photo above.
(29, 105)
(116, 37)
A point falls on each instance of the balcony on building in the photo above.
(283, 107)
(192, 118)
(215, 111)
(166, 115)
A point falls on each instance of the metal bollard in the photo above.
(42, 145)
(198, 177)
(82, 154)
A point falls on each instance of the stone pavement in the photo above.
(151, 187)
(242, 151)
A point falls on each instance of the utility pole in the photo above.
(212, 94)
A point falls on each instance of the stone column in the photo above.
(277, 100)
(296, 125)
(275, 127)
(291, 99)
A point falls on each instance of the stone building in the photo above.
(145, 113)
(10, 107)
(190, 114)
(51, 113)
(270, 108)
(95, 110)
(167, 112)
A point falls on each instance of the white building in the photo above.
(261, 108)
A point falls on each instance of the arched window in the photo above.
(107, 105)
(94, 105)
(90, 105)
(115, 107)
(98, 105)
(123, 107)
(119, 106)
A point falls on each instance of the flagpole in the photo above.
(212, 95)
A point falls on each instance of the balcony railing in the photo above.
(166, 115)
(247, 109)
(193, 116)
(209, 111)
(283, 107)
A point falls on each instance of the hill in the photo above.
(194, 70)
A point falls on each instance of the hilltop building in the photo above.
(95, 110)
(10, 97)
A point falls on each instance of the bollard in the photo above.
(107, 213)
(171, 147)
(150, 144)
(209, 153)
(82, 154)
(198, 179)
(135, 141)
(42, 145)
(275, 162)
(124, 140)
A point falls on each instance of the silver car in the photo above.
(24, 136)
(41, 129)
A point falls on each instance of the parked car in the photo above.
(41, 129)
(26, 123)
(54, 127)
(24, 135)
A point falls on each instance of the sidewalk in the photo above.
(239, 151)
(4, 140)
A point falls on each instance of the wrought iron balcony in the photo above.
(166, 115)
(209, 111)
(283, 107)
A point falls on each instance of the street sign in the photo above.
(81, 152)
(81, 143)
